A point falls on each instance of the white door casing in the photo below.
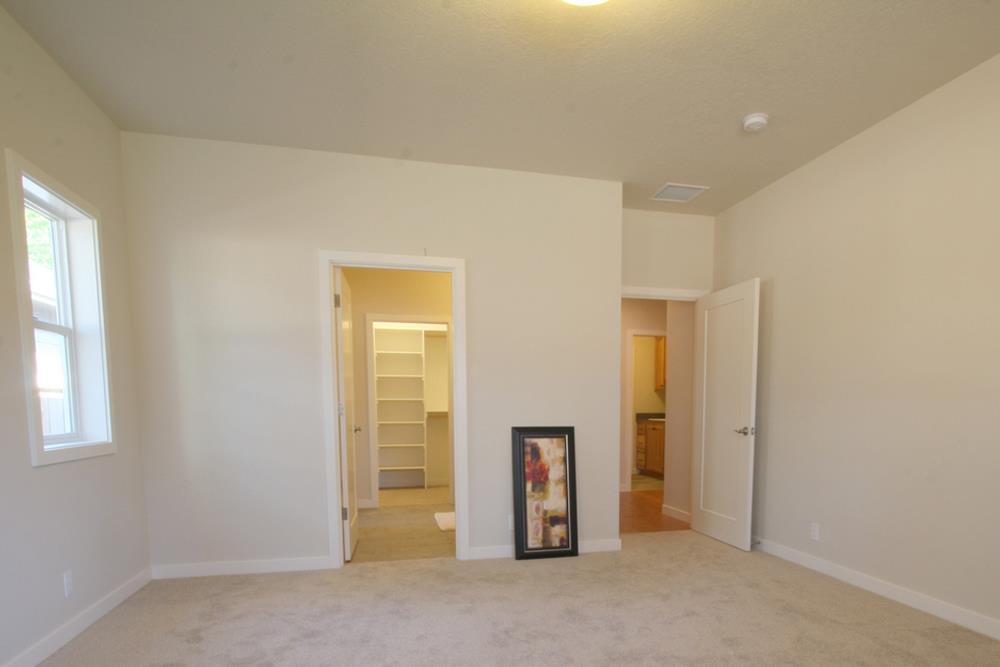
(725, 397)
(331, 386)
(348, 433)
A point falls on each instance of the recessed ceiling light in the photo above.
(585, 3)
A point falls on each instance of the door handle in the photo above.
(357, 429)
(742, 431)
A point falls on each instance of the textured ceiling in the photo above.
(641, 91)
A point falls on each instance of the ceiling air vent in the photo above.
(679, 193)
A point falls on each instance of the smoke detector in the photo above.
(678, 192)
(754, 122)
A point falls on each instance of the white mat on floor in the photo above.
(445, 520)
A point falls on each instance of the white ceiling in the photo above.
(641, 91)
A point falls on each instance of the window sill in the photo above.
(72, 451)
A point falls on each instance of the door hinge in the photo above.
(341, 410)
(336, 301)
(343, 513)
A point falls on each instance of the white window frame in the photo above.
(79, 444)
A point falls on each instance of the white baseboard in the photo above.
(367, 504)
(507, 550)
(62, 635)
(597, 546)
(496, 551)
(950, 612)
(227, 567)
(677, 513)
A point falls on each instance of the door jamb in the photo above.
(663, 293)
(330, 397)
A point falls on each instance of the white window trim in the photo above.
(58, 450)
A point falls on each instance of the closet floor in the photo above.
(403, 526)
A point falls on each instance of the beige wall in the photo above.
(437, 399)
(437, 394)
(230, 357)
(636, 314)
(439, 452)
(680, 404)
(880, 346)
(667, 250)
(388, 292)
(645, 396)
(86, 516)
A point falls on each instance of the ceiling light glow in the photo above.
(755, 122)
(585, 3)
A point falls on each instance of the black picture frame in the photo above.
(554, 525)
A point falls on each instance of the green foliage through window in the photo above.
(39, 229)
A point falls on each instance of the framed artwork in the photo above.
(544, 492)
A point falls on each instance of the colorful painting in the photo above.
(544, 491)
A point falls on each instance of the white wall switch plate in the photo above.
(814, 531)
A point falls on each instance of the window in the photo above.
(62, 320)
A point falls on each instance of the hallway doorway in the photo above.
(655, 408)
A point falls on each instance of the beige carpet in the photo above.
(435, 495)
(402, 533)
(672, 598)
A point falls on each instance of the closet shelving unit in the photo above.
(399, 400)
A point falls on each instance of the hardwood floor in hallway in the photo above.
(641, 510)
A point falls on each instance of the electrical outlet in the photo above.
(68, 583)
(510, 522)
(814, 531)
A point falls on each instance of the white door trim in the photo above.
(663, 293)
(370, 320)
(628, 430)
(459, 384)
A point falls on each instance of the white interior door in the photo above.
(347, 426)
(725, 396)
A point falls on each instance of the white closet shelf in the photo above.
(399, 354)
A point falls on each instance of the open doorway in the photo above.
(657, 359)
(397, 466)
(708, 362)
(399, 325)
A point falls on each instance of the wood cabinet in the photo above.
(661, 363)
(640, 445)
(649, 447)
